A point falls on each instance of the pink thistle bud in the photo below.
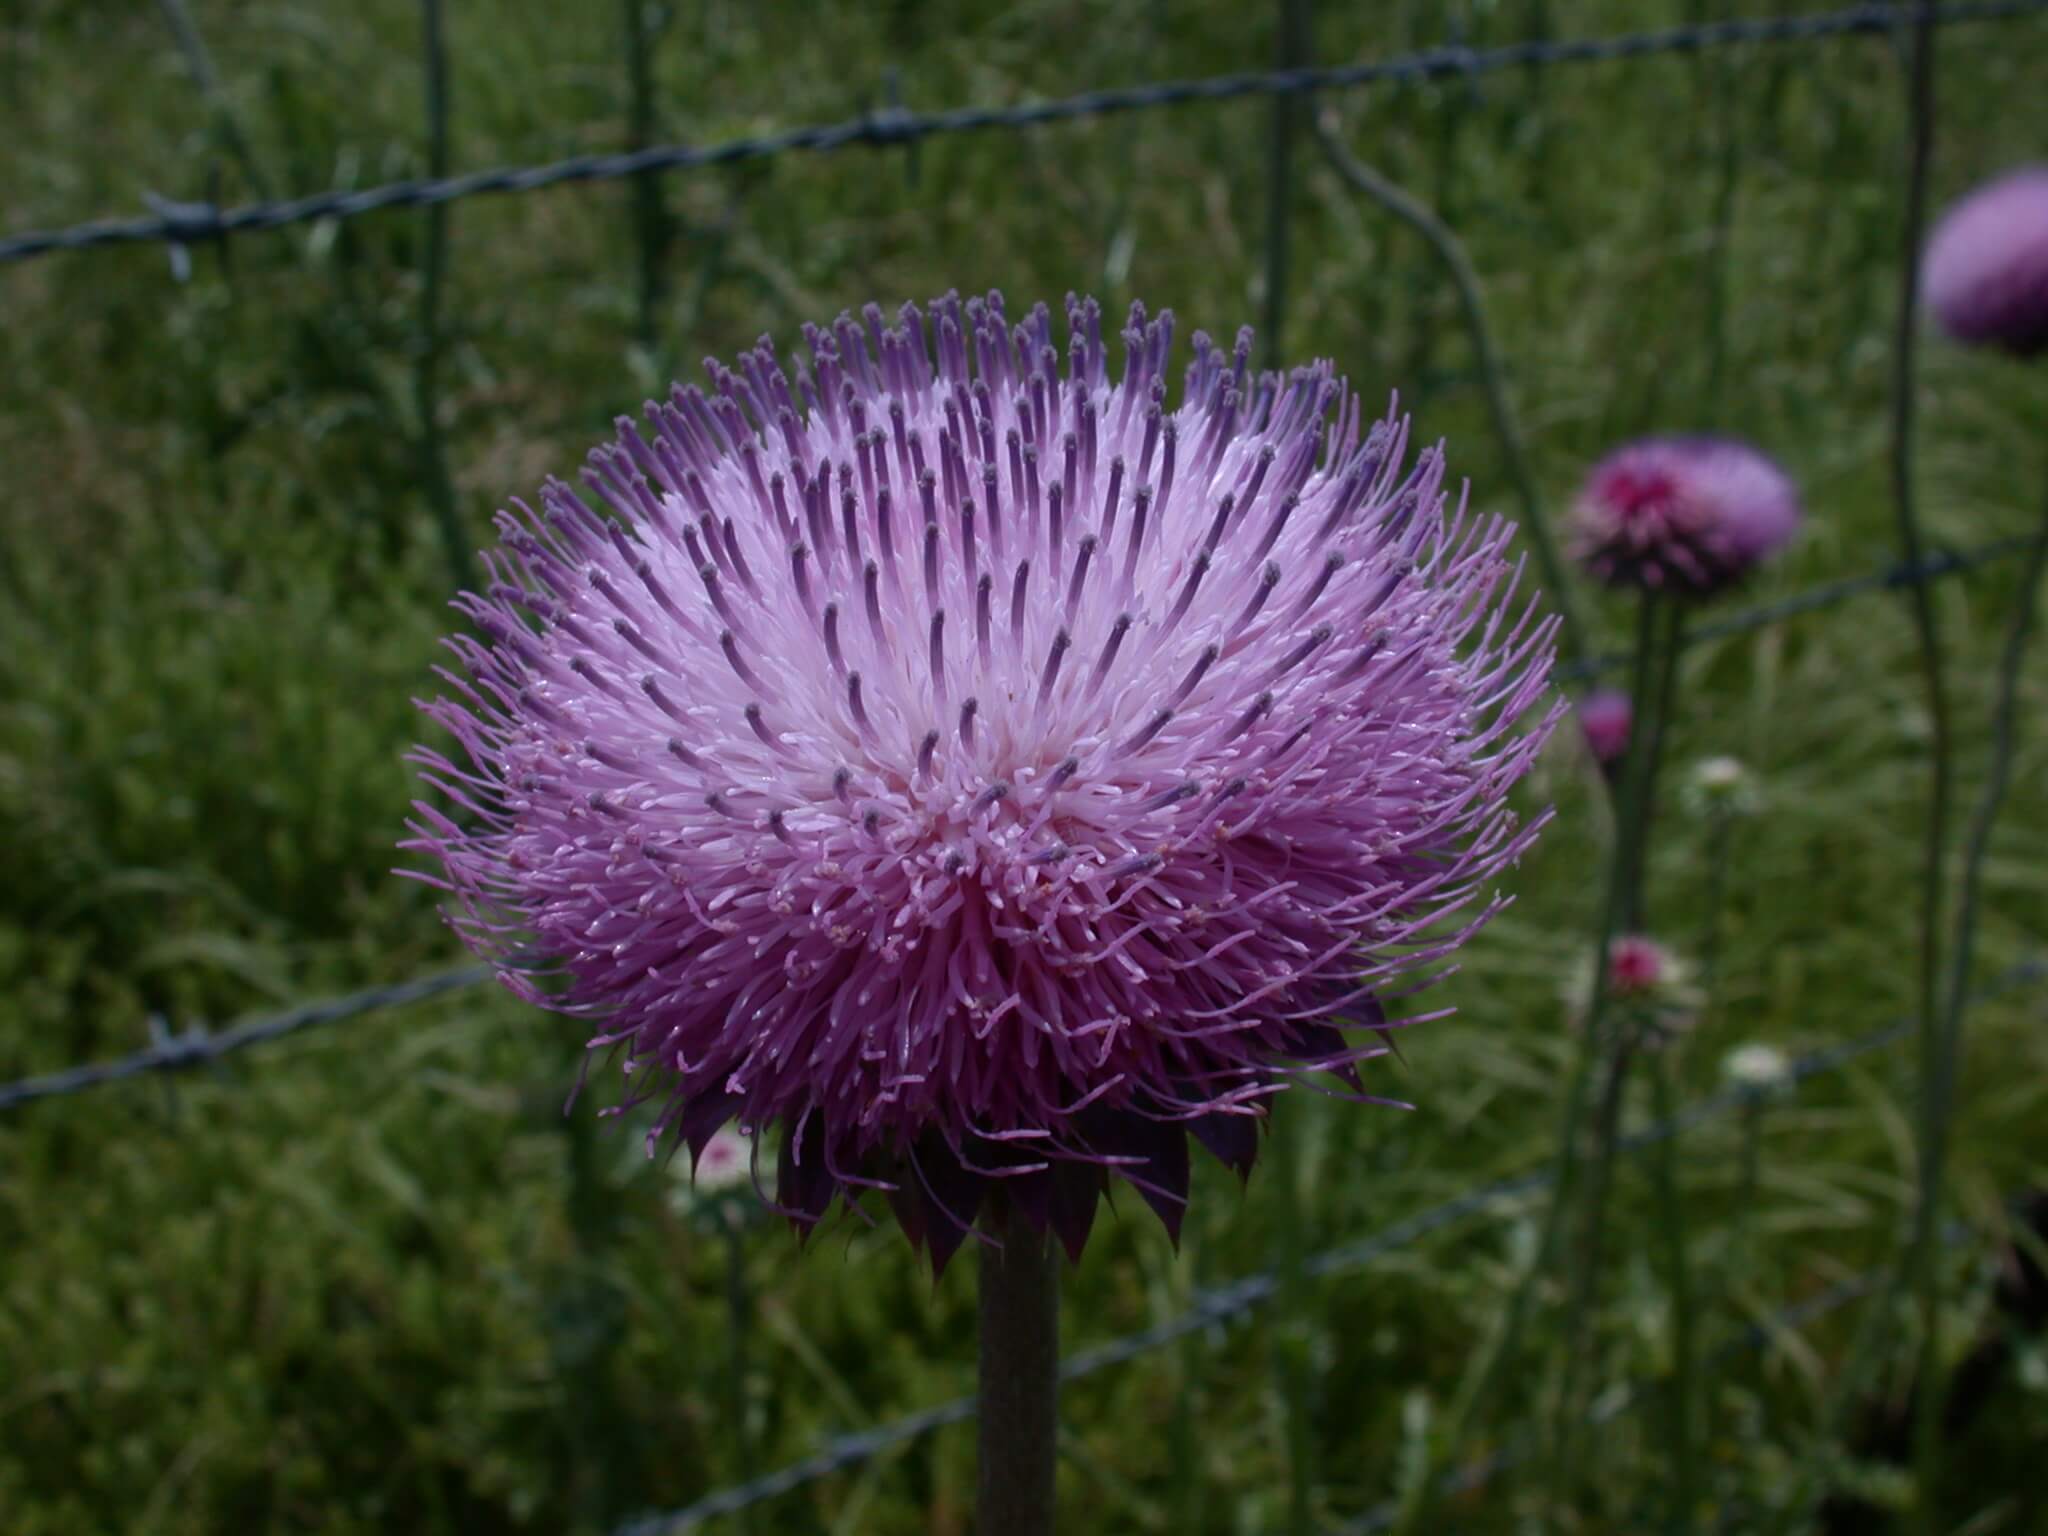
(990, 853)
(1605, 716)
(1638, 967)
(1986, 271)
(1686, 515)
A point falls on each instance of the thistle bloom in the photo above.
(1688, 515)
(1986, 274)
(1605, 715)
(980, 770)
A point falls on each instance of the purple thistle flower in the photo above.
(1689, 515)
(980, 770)
(1986, 274)
(1606, 716)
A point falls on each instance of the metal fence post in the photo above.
(1292, 53)
(650, 208)
(426, 375)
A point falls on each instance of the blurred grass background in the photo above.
(370, 1280)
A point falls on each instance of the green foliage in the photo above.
(364, 1281)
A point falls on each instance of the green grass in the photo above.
(355, 1282)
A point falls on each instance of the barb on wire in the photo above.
(197, 1046)
(892, 128)
(1821, 595)
(1226, 1304)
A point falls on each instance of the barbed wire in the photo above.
(189, 223)
(1226, 1304)
(197, 1046)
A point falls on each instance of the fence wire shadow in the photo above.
(1227, 1304)
(181, 224)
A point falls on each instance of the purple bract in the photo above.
(979, 770)
(1686, 515)
(1986, 276)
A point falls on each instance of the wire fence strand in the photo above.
(888, 126)
(197, 1046)
(1226, 1304)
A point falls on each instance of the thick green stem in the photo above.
(1020, 1360)
(738, 1315)
(592, 1318)
(1291, 1354)
(1190, 1499)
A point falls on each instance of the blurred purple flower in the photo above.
(981, 772)
(1638, 966)
(1605, 716)
(1986, 273)
(1688, 515)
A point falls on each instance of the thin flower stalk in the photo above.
(1657, 657)
(1683, 1390)
(1450, 250)
(1942, 1090)
(1503, 1342)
